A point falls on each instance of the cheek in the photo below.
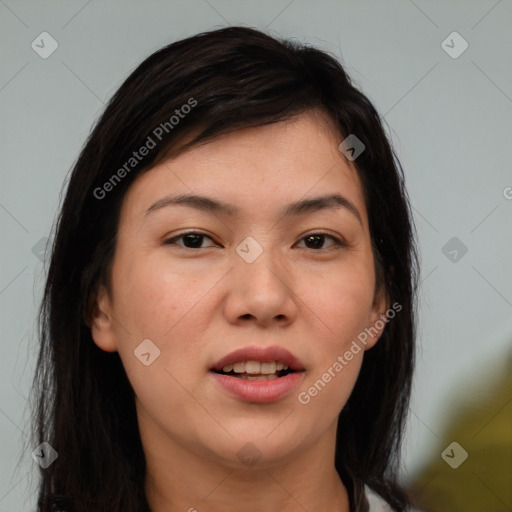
(341, 309)
(341, 303)
(167, 306)
(328, 388)
(154, 298)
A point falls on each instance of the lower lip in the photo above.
(259, 391)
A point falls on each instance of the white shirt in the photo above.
(377, 504)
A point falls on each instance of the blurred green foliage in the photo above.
(483, 482)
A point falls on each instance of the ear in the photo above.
(101, 322)
(377, 317)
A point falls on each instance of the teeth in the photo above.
(255, 368)
(239, 367)
(268, 368)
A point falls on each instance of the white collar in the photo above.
(377, 504)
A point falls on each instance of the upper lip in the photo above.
(261, 354)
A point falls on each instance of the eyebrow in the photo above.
(208, 204)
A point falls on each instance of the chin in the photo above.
(256, 446)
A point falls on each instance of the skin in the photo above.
(199, 304)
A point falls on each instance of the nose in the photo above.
(261, 292)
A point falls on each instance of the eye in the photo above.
(192, 240)
(315, 240)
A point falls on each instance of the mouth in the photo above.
(256, 370)
(258, 375)
(256, 362)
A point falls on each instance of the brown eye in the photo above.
(316, 241)
(191, 240)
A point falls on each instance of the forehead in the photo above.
(257, 169)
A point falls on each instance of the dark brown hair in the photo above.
(231, 78)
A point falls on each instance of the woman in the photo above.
(200, 348)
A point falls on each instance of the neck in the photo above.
(178, 479)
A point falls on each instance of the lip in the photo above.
(259, 391)
(262, 354)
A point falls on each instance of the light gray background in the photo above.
(449, 119)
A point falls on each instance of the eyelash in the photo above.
(338, 242)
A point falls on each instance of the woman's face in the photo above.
(259, 281)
